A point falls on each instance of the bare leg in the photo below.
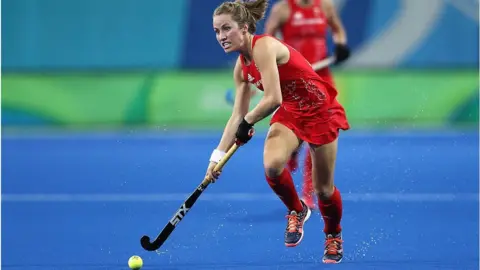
(279, 146)
(329, 198)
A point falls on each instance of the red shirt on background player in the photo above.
(304, 25)
(304, 107)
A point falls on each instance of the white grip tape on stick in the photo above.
(323, 63)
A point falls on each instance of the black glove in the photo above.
(342, 53)
(244, 132)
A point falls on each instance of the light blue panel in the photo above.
(382, 13)
(453, 42)
(92, 34)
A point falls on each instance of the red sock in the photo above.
(285, 189)
(331, 210)
(307, 176)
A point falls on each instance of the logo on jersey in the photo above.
(297, 16)
(251, 80)
(299, 20)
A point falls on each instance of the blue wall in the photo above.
(92, 34)
(178, 34)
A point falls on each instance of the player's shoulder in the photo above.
(265, 41)
(280, 3)
(326, 4)
(280, 6)
(267, 46)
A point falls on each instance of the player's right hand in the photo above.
(211, 174)
(342, 53)
(244, 132)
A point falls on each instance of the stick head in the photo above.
(146, 244)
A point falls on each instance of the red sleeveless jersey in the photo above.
(306, 30)
(304, 92)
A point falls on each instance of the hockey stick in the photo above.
(323, 63)
(184, 208)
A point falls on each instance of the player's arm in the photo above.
(278, 16)
(265, 57)
(240, 108)
(339, 35)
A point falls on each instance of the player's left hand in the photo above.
(244, 132)
(211, 174)
(342, 53)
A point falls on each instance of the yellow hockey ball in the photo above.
(135, 262)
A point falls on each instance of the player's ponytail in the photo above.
(256, 8)
(244, 12)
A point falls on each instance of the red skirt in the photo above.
(319, 129)
(326, 75)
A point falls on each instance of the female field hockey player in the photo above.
(305, 110)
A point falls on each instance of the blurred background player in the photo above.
(304, 25)
(304, 107)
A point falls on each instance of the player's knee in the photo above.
(324, 191)
(323, 184)
(273, 165)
